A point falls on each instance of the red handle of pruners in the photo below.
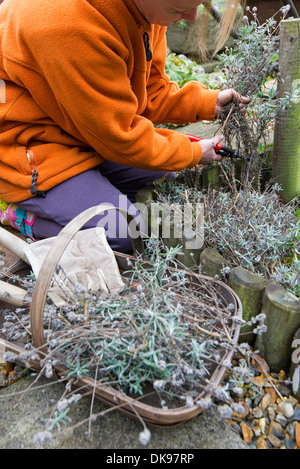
(193, 138)
(219, 148)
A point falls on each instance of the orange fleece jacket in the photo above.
(78, 90)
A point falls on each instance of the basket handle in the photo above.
(42, 284)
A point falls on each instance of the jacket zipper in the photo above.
(147, 47)
(34, 172)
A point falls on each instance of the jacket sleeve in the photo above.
(167, 103)
(87, 74)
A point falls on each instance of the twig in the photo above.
(93, 399)
(212, 334)
(267, 376)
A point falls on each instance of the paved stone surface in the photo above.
(23, 414)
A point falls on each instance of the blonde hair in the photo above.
(225, 27)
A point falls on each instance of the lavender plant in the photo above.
(247, 67)
(150, 333)
(250, 229)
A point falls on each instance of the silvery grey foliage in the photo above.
(251, 68)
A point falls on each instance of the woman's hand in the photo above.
(208, 152)
(225, 96)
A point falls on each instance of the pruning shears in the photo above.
(219, 148)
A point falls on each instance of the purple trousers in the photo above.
(108, 183)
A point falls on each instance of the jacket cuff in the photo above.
(207, 109)
(197, 153)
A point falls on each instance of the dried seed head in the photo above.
(145, 437)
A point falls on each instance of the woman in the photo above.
(84, 87)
